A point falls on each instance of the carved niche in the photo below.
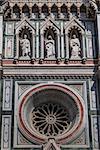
(50, 44)
(75, 40)
(25, 40)
(75, 44)
(50, 40)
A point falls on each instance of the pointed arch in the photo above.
(73, 10)
(64, 9)
(16, 10)
(35, 10)
(25, 10)
(83, 11)
(54, 11)
(45, 9)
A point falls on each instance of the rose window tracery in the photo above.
(50, 119)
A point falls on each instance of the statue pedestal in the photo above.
(50, 57)
(75, 58)
(24, 58)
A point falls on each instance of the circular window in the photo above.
(51, 119)
(50, 111)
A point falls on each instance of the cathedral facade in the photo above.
(50, 74)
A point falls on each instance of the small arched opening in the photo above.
(16, 11)
(54, 11)
(64, 10)
(83, 11)
(73, 10)
(45, 10)
(35, 11)
(26, 11)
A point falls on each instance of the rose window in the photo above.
(50, 119)
(50, 111)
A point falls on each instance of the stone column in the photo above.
(98, 72)
(58, 36)
(37, 40)
(1, 32)
(84, 46)
(42, 46)
(62, 42)
(98, 26)
(33, 47)
(17, 46)
(67, 46)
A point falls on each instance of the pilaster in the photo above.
(37, 40)
(67, 46)
(58, 46)
(1, 31)
(98, 26)
(62, 41)
(84, 47)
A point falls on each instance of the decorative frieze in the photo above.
(7, 95)
(14, 11)
(6, 132)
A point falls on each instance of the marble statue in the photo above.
(25, 45)
(75, 47)
(9, 47)
(50, 47)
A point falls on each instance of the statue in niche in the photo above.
(9, 47)
(50, 47)
(75, 47)
(25, 45)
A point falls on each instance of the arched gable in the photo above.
(74, 23)
(49, 23)
(25, 23)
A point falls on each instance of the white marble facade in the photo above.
(49, 60)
